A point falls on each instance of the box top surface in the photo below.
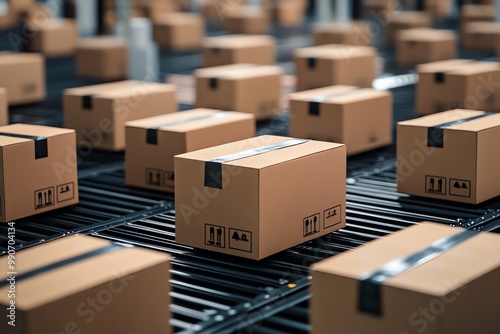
(475, 125)
(486, 27)
(120, 89)
(458, 67)
(336, 51)
(263, 160)
(426, 35)
(178, 18)
(245, 11)
(453, 269)
(338, 26)
(77, 276)
(338, 94)
(56, 24)
(406, 17)
(29, 130)
(238, 71)
(190, 120)
(9, 58)
(102, 42)
(477, 10)
(237, 41)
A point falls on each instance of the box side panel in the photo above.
(488, 162)
(302, 199)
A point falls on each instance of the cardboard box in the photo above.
(257, 197)
(179, 31)
(476, 13)
(335, 64)
(246, 20)
(457, 83)
(359, 118)
(450, 155)
(288, 13)
(16, 8)
(57, 37)
(438, 8)
(94, 286)
(424, 45)
(480, 35)
(405, 20)
(153, 142)
(216, 10)
(23, 75)
(35, 173)
(98, 113)
(253, 89)
(352, 33)
(102, 58)
(454, 292)
(236, 49)
(4, 107)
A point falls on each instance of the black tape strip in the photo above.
(420, 5)
(439, 77)
(213, 83)
(357, 9)
(314, 108)
(435, 134)
(101, 17)
(311, 62)
(41, 146)
(63, 263)
(213, 168)
(87, 101)
(152, 132)
(370, 294)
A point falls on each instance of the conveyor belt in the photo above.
(214, 293)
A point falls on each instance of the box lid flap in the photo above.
(237, 71)
(237, 41)
(9, 58)
(119, 89)
(338, 94)
(336, 51)
(426, 34)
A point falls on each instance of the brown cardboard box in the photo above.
(235, 49)
(480, 35)
(246, 20)
(4, 107)
(476, 13)
(102, 58)
(405, 20)
(216, 10)
(438, 8)
(424, 45)
(334, 64)
(359, 118)
(57, 37)
(256, 197)
(451, 155)
(352, 33)
(36, 174)
(23, 75)
(98, 113)
(179, 31)
(457, 83)
(15, 10)
(153, 142)
(253, 89)
(96, 287)
(287, 13)
(453, 293)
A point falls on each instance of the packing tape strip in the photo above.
(435, 134)
(41, 146)
(63, 263)
(213, 168)
(370, 296)
(314, 104)
(152, 132)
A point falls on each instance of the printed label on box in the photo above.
(311, 225)
(44, 198)
(240, 240)
(65, 192)
(332, 216)
(460, 187)
(215, 236)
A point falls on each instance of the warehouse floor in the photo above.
(213, 293)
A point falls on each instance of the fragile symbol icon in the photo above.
(237, 237)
